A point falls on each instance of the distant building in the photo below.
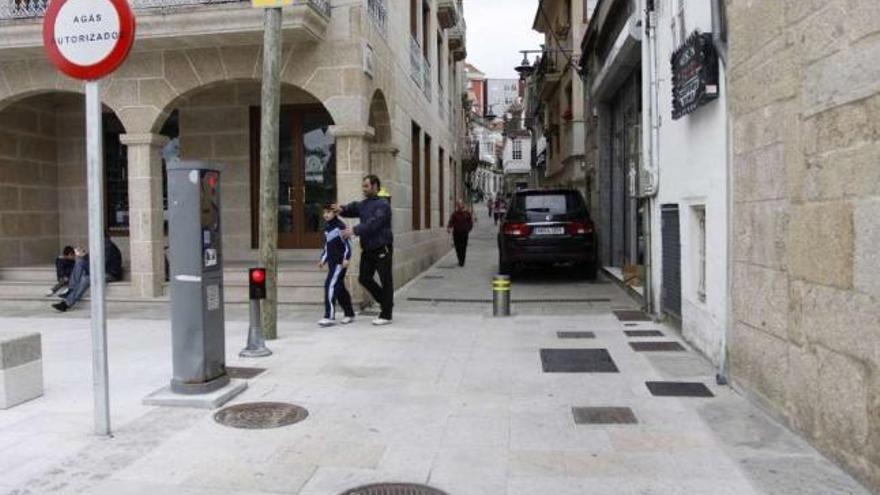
(500, 94)
(476, 88)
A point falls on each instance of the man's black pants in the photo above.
(460, 239)
(335, 291)
(379, 260)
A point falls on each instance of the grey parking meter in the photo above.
(196, 259)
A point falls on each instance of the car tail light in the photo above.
(517, 229)
(580, 228)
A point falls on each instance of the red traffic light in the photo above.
(258, 276)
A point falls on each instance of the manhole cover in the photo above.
(630, 315)
(448, 267)
(432, 277)
(576, 335)
(395, 489)
(603, 415)
(679, 389)
(260, 415)
(577, 361)
(643, 333)
(243, 373)
(656, 346)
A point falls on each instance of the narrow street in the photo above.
(448, 396)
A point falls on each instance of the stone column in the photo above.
(382, 163)
(352, 159)
(352, 163)
(146, 232)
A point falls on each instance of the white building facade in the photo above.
(689, 214)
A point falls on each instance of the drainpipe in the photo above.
(649, 62)
(723, 376)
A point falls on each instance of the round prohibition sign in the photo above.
(88, 39)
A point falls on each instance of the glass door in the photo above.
(306, 175)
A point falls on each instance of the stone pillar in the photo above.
(352, 163)
(146, 230)
(383, 163)
(352, 159)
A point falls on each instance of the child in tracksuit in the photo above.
(336, 255)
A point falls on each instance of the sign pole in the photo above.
(95, 157)
(270, 115)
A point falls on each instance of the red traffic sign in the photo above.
(88, 39)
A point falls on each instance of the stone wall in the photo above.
(805, 102)
(28, 177)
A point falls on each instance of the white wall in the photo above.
(692, 156)
(524, 164)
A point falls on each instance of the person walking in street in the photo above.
(490, 204)
(336, 256)
(80, 280)
(377, 244)
(500, 209)
(460, 225)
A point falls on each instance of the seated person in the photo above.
(79, 278)
(63, 268)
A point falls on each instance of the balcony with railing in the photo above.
(378, 11)
(449, 12)
(457, 38)
(549, 73)
(168, 23)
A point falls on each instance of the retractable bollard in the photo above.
(256, 344)
(501, 295)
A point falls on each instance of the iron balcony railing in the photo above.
(25, 9)
(378, 11)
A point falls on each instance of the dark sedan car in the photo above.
(547, 227)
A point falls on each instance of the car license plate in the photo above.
(549, 230)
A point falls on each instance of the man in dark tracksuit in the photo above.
(336, 254)
(377, 243)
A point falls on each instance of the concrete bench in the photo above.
(21, 368)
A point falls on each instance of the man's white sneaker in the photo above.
(381, 322)
(326, 322)
(347, 320)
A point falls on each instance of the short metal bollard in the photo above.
(256, 344)
(501, 295)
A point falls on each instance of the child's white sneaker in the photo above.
(347, 320)
(326, 322)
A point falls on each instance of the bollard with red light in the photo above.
(257, 284)
(256, 345)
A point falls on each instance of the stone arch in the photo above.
(383, 153)
(43, 174)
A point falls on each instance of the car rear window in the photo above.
(536, 207)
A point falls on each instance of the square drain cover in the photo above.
(643, 333)
(679, 389)
(577, 361)
(631, 315)
(576, 335)
(656, 346)
(243, 373)
(603, 415)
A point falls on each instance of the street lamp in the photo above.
(525, 69)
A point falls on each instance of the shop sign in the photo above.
(694, 74)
